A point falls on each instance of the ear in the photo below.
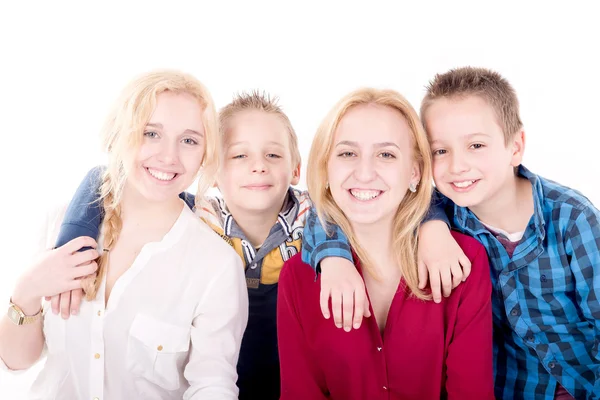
(416, 174)
(518, 148)
(296, 174)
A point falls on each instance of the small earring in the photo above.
(412, 187)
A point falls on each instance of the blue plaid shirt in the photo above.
(546, 297)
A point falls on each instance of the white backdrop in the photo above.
(62, 66)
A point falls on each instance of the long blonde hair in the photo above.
(123, 134)
(413, 207)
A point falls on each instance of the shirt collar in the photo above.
(285, 218)
(471, 224)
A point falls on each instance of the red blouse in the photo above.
(427, 350)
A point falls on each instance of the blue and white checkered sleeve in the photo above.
(583, 247)
(317, 244)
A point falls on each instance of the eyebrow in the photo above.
(377, 145)
(246, 142)
(188, 131)
(469, 136)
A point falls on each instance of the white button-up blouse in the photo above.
(172, 327)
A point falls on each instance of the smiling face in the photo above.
(471, 161)
(172, 150)
(257, 167)
(371, 164)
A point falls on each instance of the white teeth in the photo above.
(365, 194)
(162, 176)
(463, 184)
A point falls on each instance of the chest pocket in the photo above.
(157, 351)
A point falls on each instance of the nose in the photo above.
(169, 152)
(259, 166)
(365, 170)
(458, 164)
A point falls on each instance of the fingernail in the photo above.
(356, 325)
(347, 328)
(74, 312)
(338, 325)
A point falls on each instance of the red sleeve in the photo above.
(300, 376)
(469, 368)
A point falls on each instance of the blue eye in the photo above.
(190, 141)
(477, 146)
(439, 152)
(272, 155)
(151, 134)
(346, 154)
(239, 156)
(386, 155)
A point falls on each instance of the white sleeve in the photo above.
(216, 334)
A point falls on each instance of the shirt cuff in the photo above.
(70, 231)
(329, 248)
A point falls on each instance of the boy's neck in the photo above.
(255, 225)
(511, 208)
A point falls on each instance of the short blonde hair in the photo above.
(482, 82)
(413, 207)
(259, 101)
(123, 134)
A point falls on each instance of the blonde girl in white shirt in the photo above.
(166, 311)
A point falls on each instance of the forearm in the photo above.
(21, 345)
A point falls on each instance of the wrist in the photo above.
(28, 303)
(434, 226)
(434, 222)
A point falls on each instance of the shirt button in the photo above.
(99, 313)
(551, 364)
(385, 388)
(252, 266)
(96, 356)
(514, 312)
(530, 338)
(159, 348)
(379, 348)
(543, 278)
